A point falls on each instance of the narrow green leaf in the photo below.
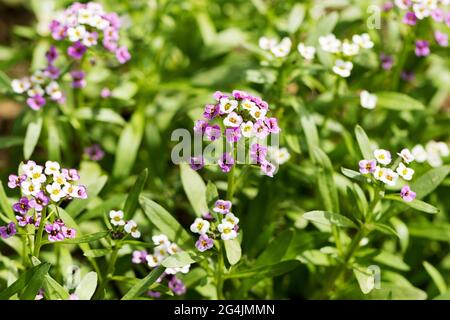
(311, 134)
(366, 279)
(85, 290)
(54, 290)
(77, 206)
(143, 284)
(195, 189)
(83, 239)
(364, 143)
(415, 204)
(96, 253)
(23, 281)
(131, 203)
(35, 282)
(429, 181)
(295, 18)
(5, 205)
(268, 271)
(436, 276)
(32, 137)
(233, 251)
(439, 232)
(7, 142)
(329, 218)
(398, 101)
(101, 115)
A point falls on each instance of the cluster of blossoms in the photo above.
(41, 186)
(432, 153)
(227, 229)
(345, 50)
(378, 169)
(237, 116)
(163, 248)
(84, 25)
(279, 49)
(120, 226)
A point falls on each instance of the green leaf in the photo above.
(366, 279)
(385, 229)
(83, 239)
(364, 143)
(415, 204)
(295, 18)
(5, 83)
(93, 189)
(144, 284)
(398, 101)
(96, 253)
(436, 276)
(24, 280)
(32, 137)
(429, 181)
(323, 27)
(195, 189)
(164, 221)
(85, 290)
(233, 251)
(268, 271)
(439, 232)
(5, 205)
(325, 181)
(131, 203)
(54, 290)
(177, 260)
(212, 194)
(311, 134)
(101, 115)
(35, 282)
(128, 146)
(391, 260)
(11, 141)
(53, 141)
(329, 218)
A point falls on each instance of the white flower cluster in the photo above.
(421, 8)
(39, 84)
(432, 153)
(278, 49)
(129, 226)
(387, 175)
(163, 249)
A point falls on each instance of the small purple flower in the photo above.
(39, 201)
(207, 216)
(39, 295)
(219, 95)
(123, 55)
(197, 163)
(200, 126)
(16, 181)
(177, 286)
(94, 152)
(54, 232)
(105, 93)
(36, 102)
(407, 194)
(70, 174)
(386, 61)
(81, 192)
(268, 168)
(77, 50)
(233, 134)
(239, 95)
(410, 18)
(367, 166)
(437, 15)
(68, 233)
(422, 48)
(260, 129)
(74, 296)
(35, 220)
(113, 19)
(204, 243)
(441, 38)
(407, 76)
(52, 72)
(222, 206)
(211, 111)
(51, 55)
(387, 6)
(57, 30)
(272, 125)
(22, 206)
(258, 153)
(59, 222)
(78, 80)
(213, 132)
(22, 221)
(139, 256)
(8, 231)
(154, 294)
(226, 162)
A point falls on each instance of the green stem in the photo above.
(109, 271)
(220, 273)
(38, 239)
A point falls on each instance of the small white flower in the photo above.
(382, 156)
(52, 167)
(20, 85)
(99, 23)
(419, 153)
(231, 218)
(279, 155)
(184, 269)
(406, 155)
(35, 90)
(363, 40)
(153, 260)
(350, 49)
(76, 33)
(368, 100)
(247, 129)
(402, 4)
(434, 160)
(89, 39)
(116, 218)
(227, 231)
(258, 113)
(160, 239)
(282, 49)
(343, 68)
(227, 105)
(330, 44)
(37, 177)
(306, 52)
(266, 43)
(200, 226)
(232, 120)
(29, 188)
(59, 178)
(440, 148)
(70, 190)
(421, 11)
(131, 227)
(379, 173)
(54, 91)
(389, 177)
(55, 191)
(161, 250)
(38, 77)
(405, 172)
(173, 248)
(247, 104)
(84, 16)
(29, 167)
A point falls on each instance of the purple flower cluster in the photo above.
(58, 231)
(8, 231)
(235, 117)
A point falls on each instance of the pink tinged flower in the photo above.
(90, 39)
(51, 55)
(387, 6)
(58, 31)
(211, 111)
(407, 76)
(222, 206)
(447, 19)
(54, 232)
(8, 231)
(113, 19)
(177, 286)
(219, 95)
(407, 194)
(237, 94)
(139, 256)
(70, 174)
(367, 166)
(52, 72)
(81, 192)
(386, 61)
(105, 93)
(39, 295)
(197, 163)
(68, 233)
(226, 162)
(36, 102)
(437, 15)
(94, 152)
(233, 134)
(22, 206)
(22, 221)
(111, 33)
(200, 126)
(258, 153)
(77, 50)
(74, 296)
(204, 243)
(410, 18)
(123, 55)
(260, 130)
(154, 294)
(272, 125)
(78, 80)
(110, 44)
(15, 181)
(39, 201)
(422, 48)
(207, 216)
(213, 132)
(441, 38)
(267, 168)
